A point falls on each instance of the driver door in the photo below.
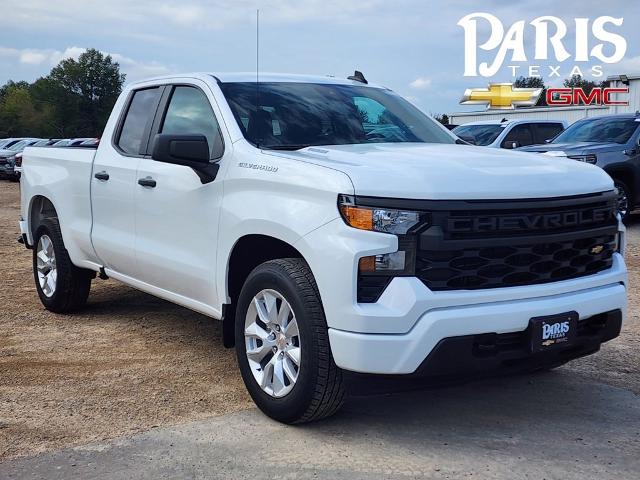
(176, 214)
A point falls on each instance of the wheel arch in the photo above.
(248, 252)
(40, 207)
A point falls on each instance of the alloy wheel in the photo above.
(272, 343)
(46, 266)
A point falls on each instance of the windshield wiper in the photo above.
(284, 147)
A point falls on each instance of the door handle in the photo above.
(147, 182)
(104, 176)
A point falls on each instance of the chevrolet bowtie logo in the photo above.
(501, 96)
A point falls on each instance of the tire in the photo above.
(317, 390)
(625, 205)
(71, 284)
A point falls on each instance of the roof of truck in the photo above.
(228, 77)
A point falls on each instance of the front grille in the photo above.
(504, 244)
(504, 266)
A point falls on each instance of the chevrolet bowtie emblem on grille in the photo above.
(546, 343)
(596, 249)
(502, 96)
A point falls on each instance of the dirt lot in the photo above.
(130, 362)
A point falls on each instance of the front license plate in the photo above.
(553, 331)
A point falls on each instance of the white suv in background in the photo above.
(509, 133)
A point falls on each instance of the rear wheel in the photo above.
(282, 344)
(624, 199)
(62, 287)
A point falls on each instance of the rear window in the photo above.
(140, 113)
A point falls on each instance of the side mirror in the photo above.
(548, 140)
(188, 150)
(510, 144)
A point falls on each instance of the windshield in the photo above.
(600, 130)
(18, 147)
(481, 134)
(297, 115)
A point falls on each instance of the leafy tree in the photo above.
(20, 115)
(443, 119)
(97, 81)
(533, 82)
(74, 100)
(576, 81)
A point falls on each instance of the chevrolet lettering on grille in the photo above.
(529, 222)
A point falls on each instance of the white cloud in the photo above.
(31, 57)
(134, 69)
(421, 83)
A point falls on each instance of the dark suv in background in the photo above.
(613, 143)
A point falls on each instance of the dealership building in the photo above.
(569, 114)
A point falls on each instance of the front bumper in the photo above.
(398, 332)
(405, 353)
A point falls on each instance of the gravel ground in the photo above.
(130, 362)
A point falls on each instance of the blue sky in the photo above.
(414, 47)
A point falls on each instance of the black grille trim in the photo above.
(528, 241)
(450, 258)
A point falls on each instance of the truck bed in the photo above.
(63, 176)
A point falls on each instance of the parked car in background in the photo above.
(7, 142)
(611, 142)
(8, 158)
(509, 133)
(71, 142)
(46, 142)
(92, 142)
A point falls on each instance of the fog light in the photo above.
(390, 261)
(384, 263)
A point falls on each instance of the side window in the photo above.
(521, 134)
(189, 113)
(547, 131)
(141, 110)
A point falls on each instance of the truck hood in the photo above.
(581, 148)
(449, 172)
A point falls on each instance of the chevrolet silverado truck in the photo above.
(332, 227)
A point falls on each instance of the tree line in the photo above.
(74, 100)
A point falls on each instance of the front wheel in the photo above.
(282, 344)
(62, 287)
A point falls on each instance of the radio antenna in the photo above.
(257, 74)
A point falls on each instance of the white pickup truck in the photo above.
(332, 227)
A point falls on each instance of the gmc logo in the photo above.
(530, 222)
(577, 96)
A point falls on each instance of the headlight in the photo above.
(376, 271)
(397, 222)
(591, 158)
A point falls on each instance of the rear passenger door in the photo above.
(177, 217)
(113, 182)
